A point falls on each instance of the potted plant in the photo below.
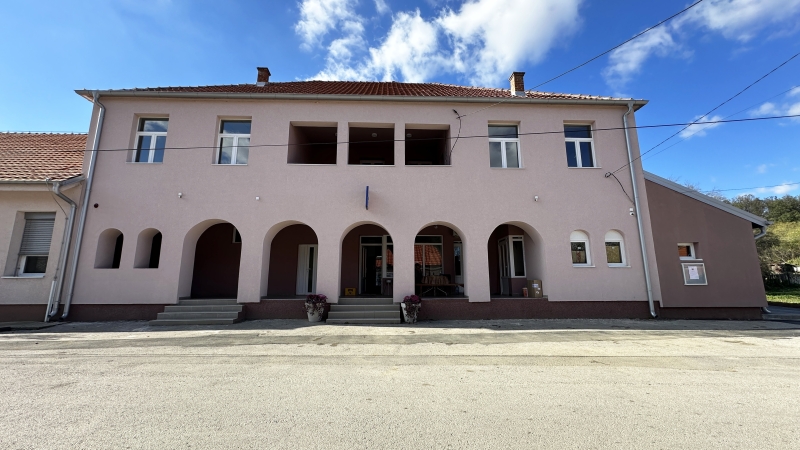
(411, 306)
(315, 307)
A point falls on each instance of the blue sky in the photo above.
(685, 68)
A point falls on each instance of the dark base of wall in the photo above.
(432, 309)
(275, 309)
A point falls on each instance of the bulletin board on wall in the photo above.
(694, 274)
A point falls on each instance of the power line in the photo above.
(697, 121)
(532, 133)
(598, 56)
(726, 117)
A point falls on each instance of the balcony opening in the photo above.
(312, 144)
(427, 147)
(371, 146)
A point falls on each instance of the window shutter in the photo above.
(37, 235)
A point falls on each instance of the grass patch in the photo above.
(784, 296)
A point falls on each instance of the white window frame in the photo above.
(235, 146)
(503, 142)
(511, 240)
(21, 267)
(577, 142)
(621, 242)
(153, 138)
(588, 251)
(691, 247)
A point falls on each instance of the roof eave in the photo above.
(754, 219)
(88, 95)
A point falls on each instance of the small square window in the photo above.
(694, 274)
(614, 253)
(686, 251)
(579, 254)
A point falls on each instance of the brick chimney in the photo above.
(263, 76)
(517, 80)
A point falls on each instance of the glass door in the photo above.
(459, 265)
(306, 269)
(505, 265)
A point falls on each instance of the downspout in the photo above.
(85, 203)
(763, 232)
(638, 214)
(55, 294)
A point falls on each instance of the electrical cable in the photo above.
(697, 121)
(532, 133)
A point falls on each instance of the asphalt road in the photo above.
(467, 384)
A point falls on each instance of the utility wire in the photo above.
(598, 56)
(726, 117)
(532, 133)
(697, 121)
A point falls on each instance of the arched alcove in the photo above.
(439, 261)
(292, 254)
(367, 261)
(516, 255)
(109, 249)
(210, 261)
(148, 249)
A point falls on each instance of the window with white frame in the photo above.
(579, 244)
(686, 251)
(234, 142)
(35, 246)
(615, 249)
(580, 146)
(504, 146)
(517, 257)
(151, 139)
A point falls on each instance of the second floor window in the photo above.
(234, 142)
(151, 138)
(503, 146)
(580, 148)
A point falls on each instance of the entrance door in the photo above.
(505, 265)
(459, 265)
(306, 269)
(371, 269)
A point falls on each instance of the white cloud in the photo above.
(700, 129)
(483, 41)
(785, 109)
(795, 92)
(762, 169)
(740, 20)
(627, 60)
(767, 109)
(382, 7)
(318, 17)
(782, 189)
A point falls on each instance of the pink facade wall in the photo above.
(723, 242)
(467, 195)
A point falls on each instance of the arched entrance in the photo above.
(516, 259)
(367, 267)
(439, 262)
(293, 256)
(215, 273)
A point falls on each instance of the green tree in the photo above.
(751, 204)
(784, 209)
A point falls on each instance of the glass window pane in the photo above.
(495, 155)
(685, 251)
(457, 253)
(35, 264)
(155, 125)
(428, 240)
(235, 127)
(519, 258)
(512, 154)
(586, 154)
(389, 261)
(143, 149)
(578, 252)
(242, 150)
(310, 283)
(503, 131)
(225, 150)
(158, 153)
(433, 259)
(578, 131)
(389, 239)
(572, 159)
(614, 252)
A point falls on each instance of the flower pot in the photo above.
(408, 318)
(314, 314)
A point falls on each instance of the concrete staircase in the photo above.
(364, 310)
(216, 311)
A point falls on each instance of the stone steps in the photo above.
(357, 310)
(201, 312)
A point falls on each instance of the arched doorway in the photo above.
(439, 262)
(215, 273)
(367, 267)
(293, 256)
(516, 259)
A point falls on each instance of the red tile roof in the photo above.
(37, 156)
(377, 88)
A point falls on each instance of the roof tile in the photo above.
(37, 156)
